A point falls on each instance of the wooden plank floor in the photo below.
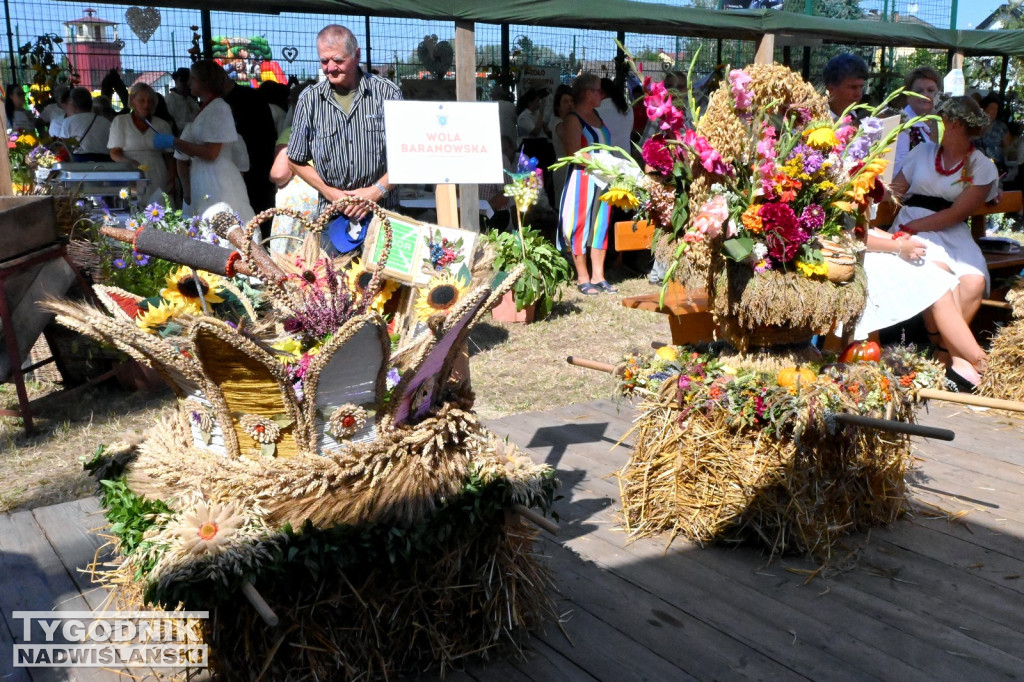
(939, 595)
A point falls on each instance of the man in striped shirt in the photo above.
(339, 126)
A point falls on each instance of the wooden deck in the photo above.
(930, 598)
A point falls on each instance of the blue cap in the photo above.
(339, 232)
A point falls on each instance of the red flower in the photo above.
(782, 232)
(658, 155)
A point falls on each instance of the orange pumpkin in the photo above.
(791, 376)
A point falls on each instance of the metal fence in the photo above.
(151, 45)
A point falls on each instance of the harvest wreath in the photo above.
(350, 487)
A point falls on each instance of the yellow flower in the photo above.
(27, 139)
(181, 286)
(844, 206)
(811, 269)
(667, 353)
(620, 198)
(359, 278)
(441, 295)
(293, 347)
(822, 138)
(157, 316)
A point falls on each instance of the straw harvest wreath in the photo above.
(353, 488)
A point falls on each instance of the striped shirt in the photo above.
(346, 149)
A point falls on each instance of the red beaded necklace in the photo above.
(956, 168)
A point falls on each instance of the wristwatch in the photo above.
(383, 190)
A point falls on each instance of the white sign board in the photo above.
(954, 83)
(443, 142)
(888, 125)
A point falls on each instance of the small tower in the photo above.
(92, 48)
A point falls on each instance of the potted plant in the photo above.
(546, 269)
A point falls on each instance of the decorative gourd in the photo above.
(791, 376)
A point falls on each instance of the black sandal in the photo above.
(960, 382)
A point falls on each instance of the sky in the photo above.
(972, 12)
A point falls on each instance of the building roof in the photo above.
(89, 18)
(152, 77)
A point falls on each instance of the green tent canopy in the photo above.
(642, 17)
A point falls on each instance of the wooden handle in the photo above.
(236, 235)
(128, 237)
(591, 364)
(535, 518)
(260, 604)
(894, 426)
(968, 399)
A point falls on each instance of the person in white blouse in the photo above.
(924, 81)
(616, 113)
(131, 140)
(88, 128)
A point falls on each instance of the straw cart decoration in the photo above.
(1002, 377)
(347, 491)
(758, 200)
(728, 450)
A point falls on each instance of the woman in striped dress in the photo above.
(584, 218)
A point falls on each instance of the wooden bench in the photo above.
(690, 319)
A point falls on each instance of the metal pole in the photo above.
(952, 16)
(506, 62)
(1003, 78)
(207, 31)
(369, 61)
(174, 54)
(10, 45)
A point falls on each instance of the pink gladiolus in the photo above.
(657, 155)
(711, 216)
(693, 237)
(709, 157)
(740, 83)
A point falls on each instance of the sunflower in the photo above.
(156, 317)
(207, 527)
(441, 295)
(620, 198)
(359, 278)
(181, 286)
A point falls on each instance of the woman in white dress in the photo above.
(940, 186)
(131, 140)
(901, 284)
(216, 153)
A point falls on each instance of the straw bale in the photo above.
(1004, 376)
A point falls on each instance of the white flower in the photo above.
(260, 429)
(124, 193)
(346, 421)
(207, 527)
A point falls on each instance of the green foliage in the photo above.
(546, 268)
(130, 515)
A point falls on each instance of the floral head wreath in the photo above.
(962, 109)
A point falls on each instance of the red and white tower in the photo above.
(93, 47)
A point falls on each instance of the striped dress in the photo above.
(584, 218)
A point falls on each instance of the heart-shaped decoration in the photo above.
(143, 21)
(289, 53)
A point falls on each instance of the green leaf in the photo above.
(206, 437)
(738, 248)
(268, 449)
(282, 420)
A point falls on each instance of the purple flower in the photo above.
(392, 378)
(858, 148)
(141, 259)
(193, 232)
(155, 212)
(812, 158)
(120, 263)
(812, 218)
(871, 127)
(292, 325)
